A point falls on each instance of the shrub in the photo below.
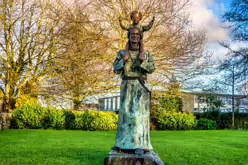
(240, 120)
(104, 121)
(29, 116)
(53, 119)
(212, 115)
(206, 124)
(171, 104)
(224, 120)
(26, 100)
(59, 120)
(96, 121)
(83, 120)
(246, 125)
(36, 117)
(173, 121)
(69, 120)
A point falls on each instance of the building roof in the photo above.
(201, 92)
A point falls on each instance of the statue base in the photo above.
(120, 158)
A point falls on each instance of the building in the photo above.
(197, 102)
(193, 102)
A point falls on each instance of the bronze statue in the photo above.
(133, 144)
(134, 114)
(136, 16)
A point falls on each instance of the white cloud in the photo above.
(203, 17)
(219, 52)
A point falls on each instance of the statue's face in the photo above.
(136, 18)
(134, 36)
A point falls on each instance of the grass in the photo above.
(40, 147)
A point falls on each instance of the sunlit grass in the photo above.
(38, 147)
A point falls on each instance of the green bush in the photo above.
(96, 121)
(54, 119)
(83, 120)
(91, 120)
(240, 119)
(224, 120)
(104, 121)
(171, 104)
(69, 119)
(29, 116)
(212, 115)
(246, 125)
(206, 124)
(173, 121)
(36, 117)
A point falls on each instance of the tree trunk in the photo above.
(198, 104)
(233, 81)
(76, 103)
(8, 104)
(238, 105)
(5, 119)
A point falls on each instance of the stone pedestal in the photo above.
(119, 158)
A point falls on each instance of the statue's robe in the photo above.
(134, 114)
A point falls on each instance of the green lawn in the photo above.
(38, 147)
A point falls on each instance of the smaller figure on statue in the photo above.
(136, 16)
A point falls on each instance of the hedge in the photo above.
(224, 120)
(173, 121)
(36, 117)
(206, 124)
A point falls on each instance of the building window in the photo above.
(202, 99)
(196, 99)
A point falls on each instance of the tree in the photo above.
(244, 88)
(236, 18)
(213, 102)
(27, 46)
(78, 40)
(231, 78)
(172, 41)
(82, 67)
(171, 99)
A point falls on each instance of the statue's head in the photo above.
(134, 35)
(136, 16)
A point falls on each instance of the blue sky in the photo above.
(219, 4)
(225, 2)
